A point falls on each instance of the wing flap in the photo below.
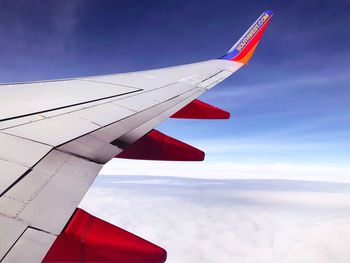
(21, 151)
(11, 172)
(11, 230)
(32, 246)
(56, 186)
(17, 156)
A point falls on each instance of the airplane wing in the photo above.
(55, 136)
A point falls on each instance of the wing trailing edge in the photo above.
(157, 146)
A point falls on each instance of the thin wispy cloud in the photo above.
(232, 169)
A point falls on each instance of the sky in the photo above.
(289, 105)
(289, 126)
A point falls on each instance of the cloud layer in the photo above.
(228, 169)
(229, 220)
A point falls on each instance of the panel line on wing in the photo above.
(22, 176)
(14, 243)
(110, 83)
(67, 106)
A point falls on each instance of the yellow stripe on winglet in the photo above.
(246, 58)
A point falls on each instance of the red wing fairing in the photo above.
(200, 110)
(89, 239)
(160, 147)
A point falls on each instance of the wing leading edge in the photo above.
(60, 133)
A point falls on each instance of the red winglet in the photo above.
(246, 45)
(158, 146)
(200, 110)
(90, 239)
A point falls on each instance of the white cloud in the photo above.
(231, 170)
(229, 220)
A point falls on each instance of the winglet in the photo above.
(246, 45)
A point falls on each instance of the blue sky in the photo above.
(289, 105)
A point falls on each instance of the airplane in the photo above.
(56, 135)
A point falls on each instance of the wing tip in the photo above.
(243, 50)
